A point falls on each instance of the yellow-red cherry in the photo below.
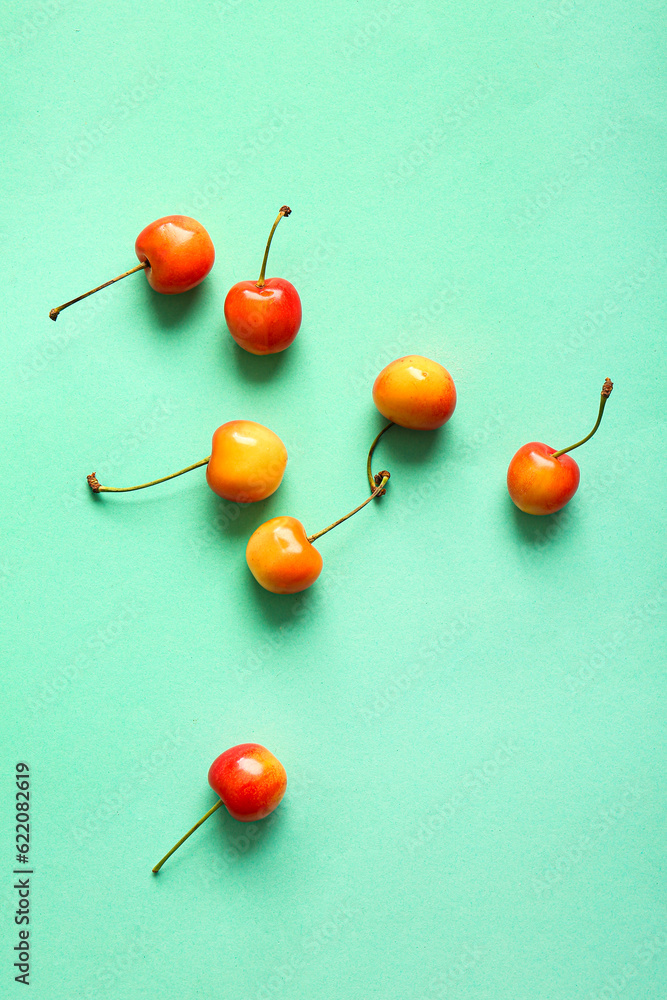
(250, 782)
(282, 557)
(538, 483)
(541, 480)
(415, 392)
(264, 316)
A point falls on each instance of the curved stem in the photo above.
(140, 267)
(285, 210)
(183, 839)
(604, 396)
(371, 478)
(378, 491)
(97, 488)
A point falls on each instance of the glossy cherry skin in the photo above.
(247, 462)
(179, 251)
(281, 558)
(249, 780)
(263, 320)
(538, 483)
(415, 392)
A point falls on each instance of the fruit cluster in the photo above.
(247, 460)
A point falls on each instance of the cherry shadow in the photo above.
(409, 447)
(239, 520)
(244, 838)
(540, 530)
(258, 368)
(172, 310)
(222, 842)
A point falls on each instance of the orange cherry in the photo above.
(250, 782)
(415, 392)
(246, 464)
(541, 480)
(176, 253)
(281, 557)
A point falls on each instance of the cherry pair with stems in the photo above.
(176, 253)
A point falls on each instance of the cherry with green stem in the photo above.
(541, 480)
(246, 464)
(282, 557)
(250, 781)
(264, 316)
(176, 253)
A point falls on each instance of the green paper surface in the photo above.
(468, 703)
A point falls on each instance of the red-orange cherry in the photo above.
(541, 480)
(415, 392)
(176, 253)
(539, 483)
(250, 782)
(246, 464)
(264, 316)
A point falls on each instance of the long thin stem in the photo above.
(604, 396)
(140, 267)
(188, 834)
(285, 210)
(371, 478)
(378, 491)
(96, 488)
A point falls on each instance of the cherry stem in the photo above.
(140, 267)
(377, 492)
(604, 396)
(285, 210)
(371, 478)
(97, 488)
(188, 834)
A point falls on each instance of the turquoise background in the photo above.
(468, 701)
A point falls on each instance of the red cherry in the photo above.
(176, 253)
(250, 782)
(264, 316)
(542, 480)
(539, 483)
